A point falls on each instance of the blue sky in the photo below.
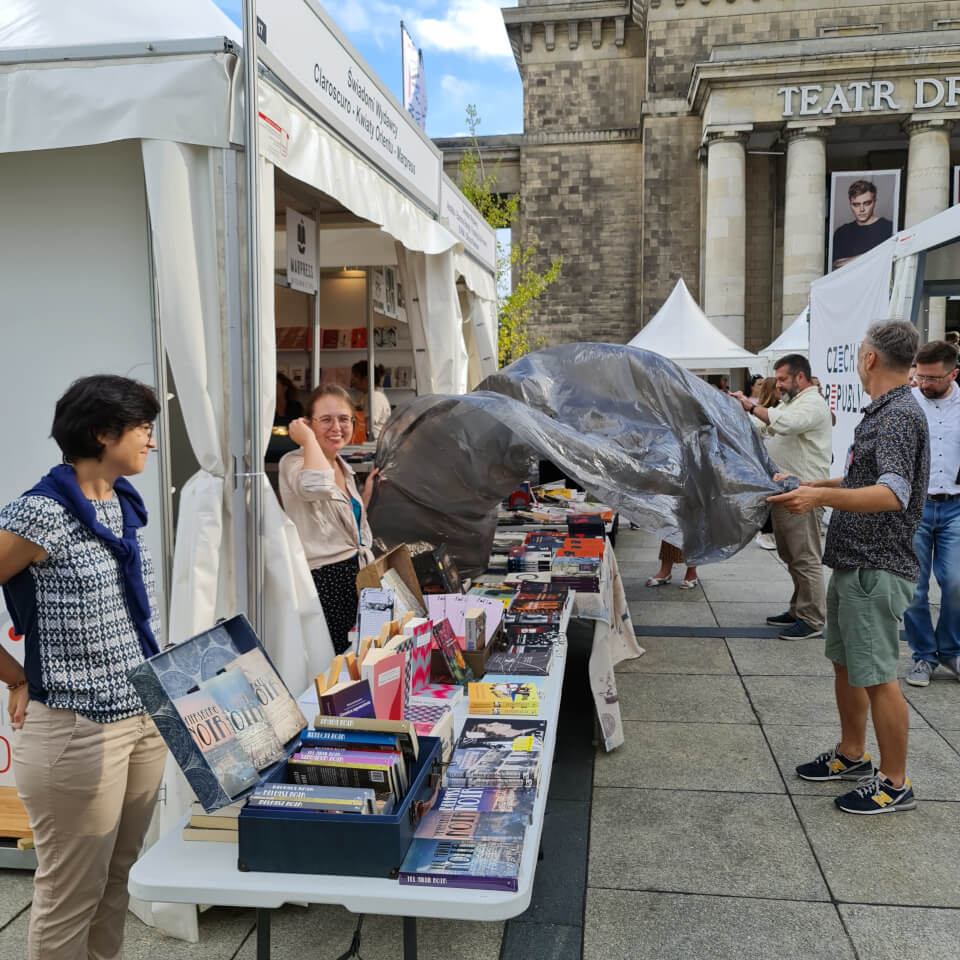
(466, 53)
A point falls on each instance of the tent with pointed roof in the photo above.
(681, 332)
(795, 339)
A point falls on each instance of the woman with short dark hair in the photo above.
(79, 584)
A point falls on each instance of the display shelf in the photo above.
(325, 350)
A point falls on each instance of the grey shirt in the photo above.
(891, 448)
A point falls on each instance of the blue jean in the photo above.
(937, 545)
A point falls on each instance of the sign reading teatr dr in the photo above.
(867, 96)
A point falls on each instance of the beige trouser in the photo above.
(800, 548)
(90, 790)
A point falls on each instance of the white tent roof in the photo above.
(938, 229)
(680, 331)
(795, 339)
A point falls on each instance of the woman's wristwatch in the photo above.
(16, 686)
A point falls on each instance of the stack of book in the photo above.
(524, 559)
(221, 826)
(538, 617)
(577, 564)
(503, 752)
(524, 661)
(316, 799)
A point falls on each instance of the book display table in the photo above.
(178, 871)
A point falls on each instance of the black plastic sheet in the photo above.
(673, 454)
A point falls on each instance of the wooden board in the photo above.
(13, 818)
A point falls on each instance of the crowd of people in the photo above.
(79, 584)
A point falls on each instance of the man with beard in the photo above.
(797, 432)
(937, 542)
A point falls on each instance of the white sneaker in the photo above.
(765, 541)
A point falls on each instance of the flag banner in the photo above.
(414, 81)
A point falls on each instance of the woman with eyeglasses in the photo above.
(320, 496)
(78, 582)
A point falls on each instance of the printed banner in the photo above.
(414, 80)
(301, 252)
(864, 211)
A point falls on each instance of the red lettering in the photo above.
(5, 754)
(14, 636)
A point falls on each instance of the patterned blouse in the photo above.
(891, 448)
(80, 639)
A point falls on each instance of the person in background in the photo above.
(752, 389)
(937, 542)
(79, 583)
(912, 376)
(319, 495)
(797, 431)
(669, 555)
(288, 406)
(359, 381)
(877, 507)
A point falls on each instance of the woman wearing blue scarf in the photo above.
(78, 582)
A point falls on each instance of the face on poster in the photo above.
(864, 211)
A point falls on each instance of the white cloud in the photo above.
(455, 88)
(471, 27)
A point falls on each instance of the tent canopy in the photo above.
(795, 339)
(681, 332)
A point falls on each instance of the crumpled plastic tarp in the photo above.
(670, 452)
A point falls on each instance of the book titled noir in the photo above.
(461, 863)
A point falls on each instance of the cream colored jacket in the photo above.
(322, 512)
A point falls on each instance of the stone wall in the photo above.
(761, 316)
(582, 202)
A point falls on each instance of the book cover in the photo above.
(330, 339)
(460, 863)
(474, 628)
(374, 611)
(279, 707)
(213, 734)
(487, 800)
(353, 739)
(360, 797)
(457, 666)
(327, 773)
(471, 825)
(233, 694)
(447, 694)
(525, 736)
(439, 725)
(401, 728)
(384, 671)
(358, 338)
(533, 635)
(421, 630)
(404, 598)
(348, 699)
(530, 661)
(504, 698)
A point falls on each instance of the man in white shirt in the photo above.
(937, 541)
(359, 381)
(797, 432)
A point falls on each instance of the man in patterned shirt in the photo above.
(877, 508)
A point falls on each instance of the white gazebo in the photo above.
(681, 332)
(795, 339)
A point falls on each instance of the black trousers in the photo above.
(336, 586)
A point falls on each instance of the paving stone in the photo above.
(542, 941)
(802, 701)
(763, 569)
(706, 655)
(627, 925)
(776, 593)
(742, 614)
(952, 737)
(772, 657)
(933, 765)
(16, 892)
(683, 698)
(690, 756)
(689, 842)
(324, 930)
(892, 933)
(660, 613)
(908, 859)
(668, 592)
(938, 703)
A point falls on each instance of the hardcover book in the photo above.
(213, 735)
(354, 739)
(279, 707)
(421, 630)
(236, 698)
(384, 670)
(460, 863)
(401, 728)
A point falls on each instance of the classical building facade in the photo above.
(709, 139)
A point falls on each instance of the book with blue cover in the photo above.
(462, 863)
(440, 824)
(487, 800)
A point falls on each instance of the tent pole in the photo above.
(255, 437)
(370, 377)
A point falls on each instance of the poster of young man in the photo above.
(864, 211)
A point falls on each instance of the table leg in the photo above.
(409, 938)
(263, 933)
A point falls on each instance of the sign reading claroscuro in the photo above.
(866, 96)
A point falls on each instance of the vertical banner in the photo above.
(843, 305)
(864, 211)
(414, 80)
(301, 252)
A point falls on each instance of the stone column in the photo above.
(804, 215)
(928, 190)
(725, 258)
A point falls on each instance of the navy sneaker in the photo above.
(784, 619)
(877, 794)
(835, 766)
(800, 630)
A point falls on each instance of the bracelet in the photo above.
(16, 686)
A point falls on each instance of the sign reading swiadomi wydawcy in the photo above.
(870, 96)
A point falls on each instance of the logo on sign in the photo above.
(261, 31)
(301, 237)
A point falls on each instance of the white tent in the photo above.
(680, 331)
(795, 339)
(121, 185)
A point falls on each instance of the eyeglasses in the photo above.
(345, 423)
(147, 428)
(920, 379)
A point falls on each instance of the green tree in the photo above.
(479, 186)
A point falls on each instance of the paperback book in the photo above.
(461, 863)
(472, 825)
(487, 800)
(279, 708)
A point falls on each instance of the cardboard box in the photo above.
(476, 661)
(396, 559)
